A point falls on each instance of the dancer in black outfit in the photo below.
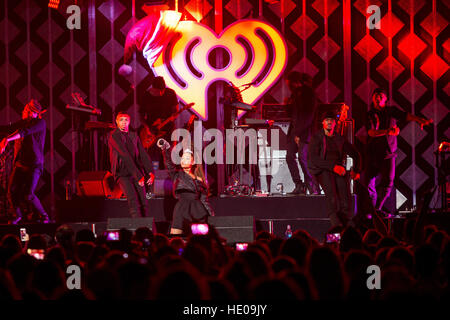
(156, 105)
(381, 149)
(190, 189)
(130, 164)
(302, 105)
(325, 160)
(29, 141)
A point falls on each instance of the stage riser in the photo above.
(272, 207)
(315, 227)
(234, 229)
(100, 209)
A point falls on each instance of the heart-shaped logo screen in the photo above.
(251, 51)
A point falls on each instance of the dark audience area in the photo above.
(142, 265)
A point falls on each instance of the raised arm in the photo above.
(170, 166)
(422, 121)
(22, 132)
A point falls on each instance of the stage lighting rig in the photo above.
(62, 5)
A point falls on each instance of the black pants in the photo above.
(135, 195)
(337, 197)
(302, 150)
(385, 169)
(22, 185)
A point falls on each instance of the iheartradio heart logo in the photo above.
(255, 53)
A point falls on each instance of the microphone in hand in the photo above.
(163, 144)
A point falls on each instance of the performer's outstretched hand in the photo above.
(424, 122)
(355, 176)
(340, 170)
(141, 182)
(394, 131)
(3, 145)
(151, 179)
(163, 144)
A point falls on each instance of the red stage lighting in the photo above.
(62, 5)
(54, 4)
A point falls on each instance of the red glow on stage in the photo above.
(368, 48)
(412, 46)
(390, 25)
(54, 4)
(434, 26)
(434, 67)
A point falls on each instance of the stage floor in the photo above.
(273, 207)
(272, 213)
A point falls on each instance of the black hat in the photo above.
(378, 91)
(159, 83)
(329, 114)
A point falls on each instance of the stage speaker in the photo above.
(234, 228)
(97, 184)
(130, 223)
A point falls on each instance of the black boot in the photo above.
(44, 218)
(299, 189)
(313, 189)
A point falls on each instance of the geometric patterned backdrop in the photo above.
(409, 55)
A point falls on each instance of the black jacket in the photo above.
(183, 182)
(317, 153)
(118, 153)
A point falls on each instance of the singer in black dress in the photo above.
(190, 189)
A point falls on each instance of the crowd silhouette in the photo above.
(143, 265)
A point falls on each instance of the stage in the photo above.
(305, 212)
(236, 218)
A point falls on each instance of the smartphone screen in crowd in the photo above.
(112, 235)
(241, 246)
(333, 237)
(37, 253)
(24, 235)
(199, 228)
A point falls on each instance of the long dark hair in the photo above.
(196, 169)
